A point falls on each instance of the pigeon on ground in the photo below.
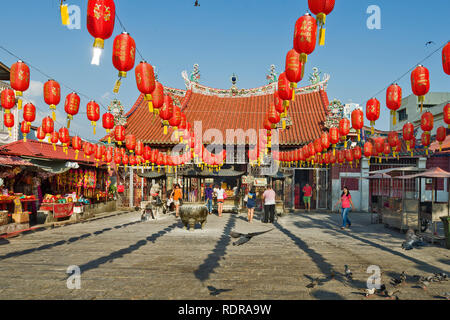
(391, 292)
(313, 283)
(412, 241)
(369, 292)
(348, 273)
(424, 284)
(215, 292)
(243, 238)
(399, 281)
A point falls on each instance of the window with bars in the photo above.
(402, 115)
(351, 183)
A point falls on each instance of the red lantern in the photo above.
(25, 128)
(47, 125)
(29, 113)
(19, 79)
(166, 112)
(130, 142)
(71, 106)
(334, 138)
(387, 150)
(379, 145)
(147, 154)
(357, 153)
(394, 100)
(54, 139)
(119, 134)
(426, 140)
(344, 129)
(52, 95)
(124, 49)
(145, 80)
(397, 148)
(76, 145)
(139, 149)
(273, 115)
(305, 36)
(318, 145)
(349, 156)
(373, 111)
(108, 124)
(447, 114)
(109, 155)
(293, 69)
(88, 149)
(341, 157)
(332, 159)
(393, 140)
(117, 159)
(175, 120)
(133, 160)
(64, 137)
(358, 121)
(8, 99)
(441, 134)
(325, 140)
(278, 102)
(158, 97)
(101, 15)
(125, 159)
(321, 8)
(426, 122)
(284, 90)
(408, 134)
(368, 148)
(40, 134)
(446, 58)
(93, 113)
(420, 83)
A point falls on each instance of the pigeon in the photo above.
(215, 292)
(348, 273)
(369, 292)
(243, 238)
(391, 292)
(412, 241)
(313, 283)
(401, 280)
(424, 284)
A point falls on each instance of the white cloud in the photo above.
(35, 91)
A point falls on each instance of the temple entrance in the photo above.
(322, 188)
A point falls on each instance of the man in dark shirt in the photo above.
(208, 198)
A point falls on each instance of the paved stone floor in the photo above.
(123, 258)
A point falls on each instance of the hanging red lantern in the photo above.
(101, 15)
(124, 49)
(139, 149)
(284, 91)
(332, 159)
(344, 129)
(109, 156)
(108, 124)
(19, 76)
(397, 148)
(125, 160)
(387, 150)
(29, 113)
(145, 80)
(273, 115)
(147, 154)
(119, 134)
(357, 153)
(293, 69)
(93, 113)
(349, 156)
(368, 148)
(321, 8)
(40, 134)
(117, 159)
(278, 102)
(393, 140)
(340, 156)
(446, 58)
(305, 36)
(25, 129)
(76, 145)
(88, 149)
(64, 137)
(441, 134)
(166, 112)
(52, 95)
(130, 142)
(8, 99)
(158, 97)
(420, 83)
(48, 125)
(379, 146)
(408, 133)
(394, 100)
(358, 121)
(334, 138)
(426, 122)
(447, 114)
(71, 106)
(54, 139)
(325, 140)
(175, 120)
(318, 145)
(426, 140)
(373, 112)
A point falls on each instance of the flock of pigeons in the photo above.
(392, 290)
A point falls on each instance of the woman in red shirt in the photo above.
(346, 201)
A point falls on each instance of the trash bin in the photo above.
(446, 222)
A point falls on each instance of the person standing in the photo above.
(269, 205)
(177, 194)
(220, 192)
(307, 193)
(345, 201)
(209, 198)
(251, 203)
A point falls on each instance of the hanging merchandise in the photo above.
(124, 50)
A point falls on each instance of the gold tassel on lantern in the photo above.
(421, 100)
(321, 19)
(372, 129)
(19, 104)
(117, 86)
(359, 135)
(293, 86)
(394, 117)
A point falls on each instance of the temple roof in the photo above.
(234, 109)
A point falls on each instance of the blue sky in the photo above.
(226, 36)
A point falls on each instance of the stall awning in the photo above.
(55, 167)
(430, 173)
(151, 174)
